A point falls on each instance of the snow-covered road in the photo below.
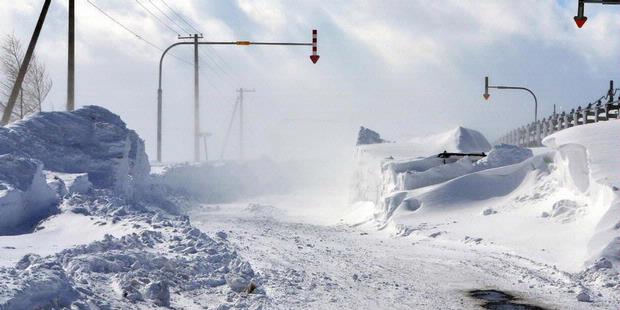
(336, 266)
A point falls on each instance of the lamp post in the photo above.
(314, 58)
(486, 94)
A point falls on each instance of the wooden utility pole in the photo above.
(23, 68)
(71, 58)
(196, 98)
(241, 91)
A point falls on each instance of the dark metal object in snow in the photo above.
(445, 155)
(495, 299)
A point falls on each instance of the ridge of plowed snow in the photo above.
(459, 139)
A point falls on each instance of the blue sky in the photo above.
(404, 68)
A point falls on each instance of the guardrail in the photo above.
(531, 135)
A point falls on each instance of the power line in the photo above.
(213, 51)
(157, 18)
(168, 17)
(180, 17)
(139, 37)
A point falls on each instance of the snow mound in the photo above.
(403, 175)
(460, 139)
(592, 165)
(504, 155)
(368, 136)
(25, 197)
(89, 140)
(164, 261)
(136, 269)
(68, 183)
(418, 154)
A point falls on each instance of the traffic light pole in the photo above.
(486, 94)
(314, 58)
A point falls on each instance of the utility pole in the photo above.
(204, 136)
(23, 68)
(196, 98)
(71, 59)
(241, 91)
(314, 58)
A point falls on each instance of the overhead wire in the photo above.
(168, 17)
(180, 17)
(157, 18)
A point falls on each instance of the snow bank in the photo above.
(90, 147)
(559, 206)
(25, 197)
(89, 140)
(460, 139)
(376, 162)
(591, 154)
(135, 269)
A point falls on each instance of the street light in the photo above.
(486, 94)
(314, 58)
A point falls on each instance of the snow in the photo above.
(593, 150)
(557, 205)
(90, 140)
(91, 229)
(25, 197)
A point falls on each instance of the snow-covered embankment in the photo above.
(83, 226)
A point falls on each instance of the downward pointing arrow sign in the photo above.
(580, 20)
(314, 58)
(486, 96)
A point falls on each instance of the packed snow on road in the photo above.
(87, 223)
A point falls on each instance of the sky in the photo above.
(402, 68)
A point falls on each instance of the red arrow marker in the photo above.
(580, 20)
(314, 57)
(486, 96)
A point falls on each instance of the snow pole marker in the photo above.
(314, 57)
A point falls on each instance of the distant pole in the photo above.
(196, 102)
(6, 117)
(204, 136)
(71, 59)
(240, 123)
(241, 91)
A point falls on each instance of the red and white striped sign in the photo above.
(314, 57)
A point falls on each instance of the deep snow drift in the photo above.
(91, 230)
(559, 207)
